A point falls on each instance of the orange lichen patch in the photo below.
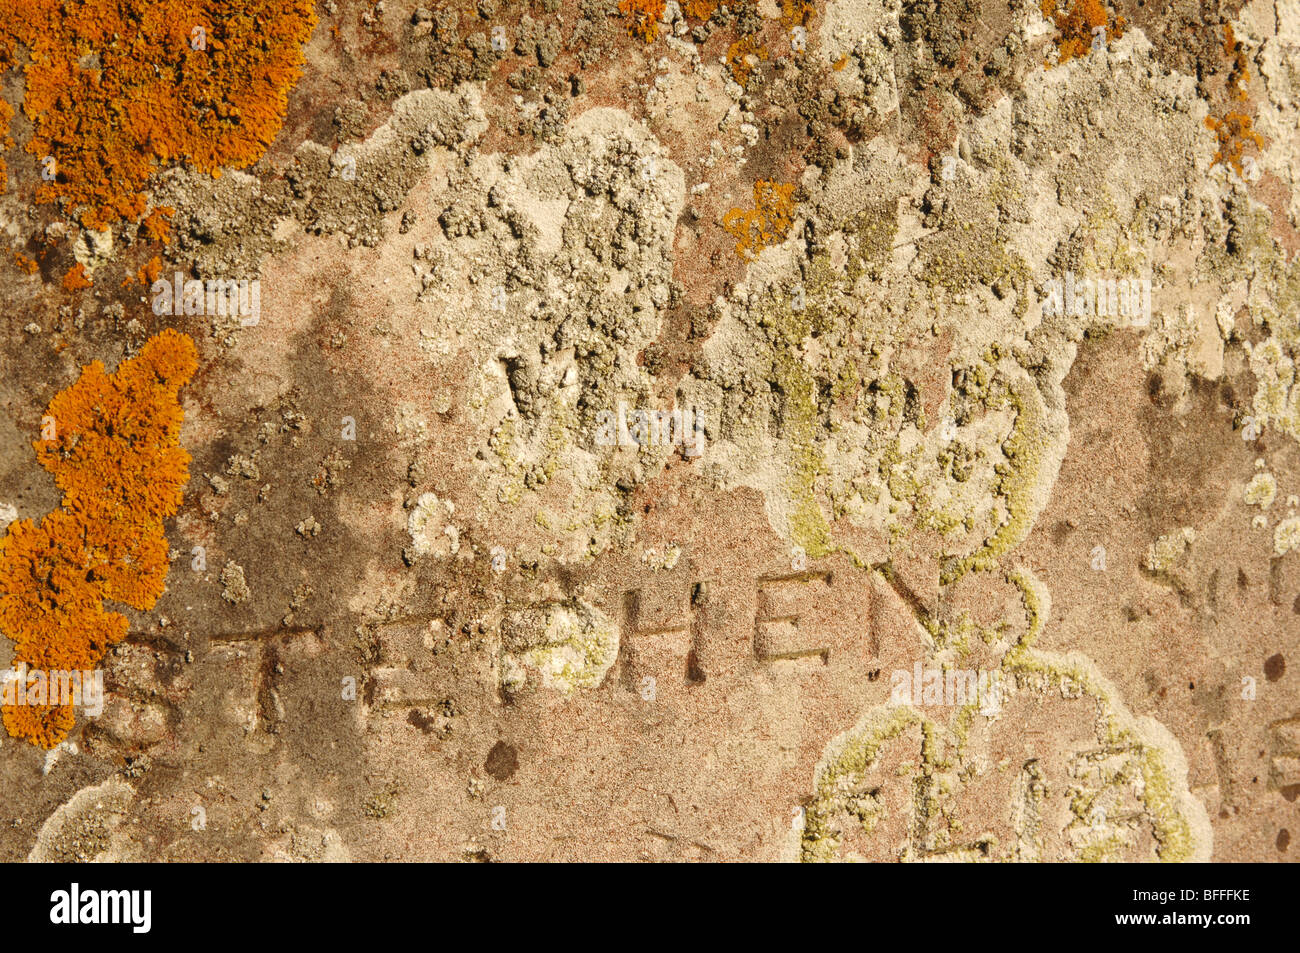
(1239, 76)
(840, 63)
(43, 725)
(6, 114)
(1076, 26)
(28, 265)
(157, 224)
(76, 278)
(117, 88)
(700, 9)
(112, 443)
(1236, 128)
(51, 607)
(766, 223)
(149, 271)
(642, 17)
(1233, 131)
(795, 13)
(743, 58)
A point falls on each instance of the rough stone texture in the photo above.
(448, 610)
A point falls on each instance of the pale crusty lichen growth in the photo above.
(1165, 552)
(1277, 397)
(1021, 478)
(1130, 778)
(667, 560)
(429, 525)
(1261, 491)
(1286, 535)
(567, 646)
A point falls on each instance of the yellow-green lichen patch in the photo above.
(1249, 253)
(841, 774)
(501, 443)
(565, 646)
(977, 260)
(1020, 480)
(1129, 777)
(870, 238)
(970, 247)
(1171, 812)
(786, 328)
(1173, 832)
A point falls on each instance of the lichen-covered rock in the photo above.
(563, 646)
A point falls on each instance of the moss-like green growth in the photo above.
(501, 443)
(786, 328)
(870, 237)
(838, 779)
(1173, 833)
(1025, 451)
(957, 261)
